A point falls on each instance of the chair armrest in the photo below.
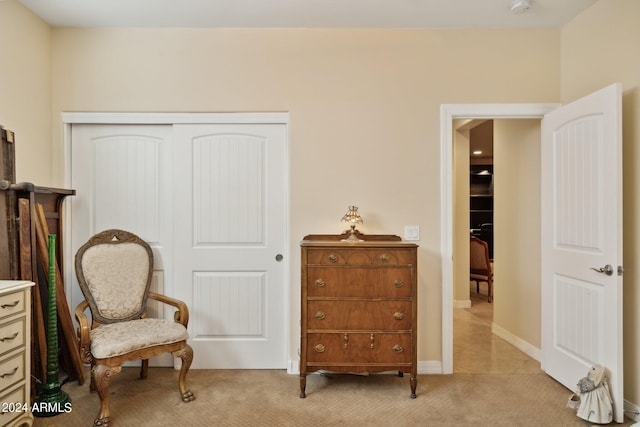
(180, 316)
(84, 331)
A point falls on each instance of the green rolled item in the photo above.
(52, 400)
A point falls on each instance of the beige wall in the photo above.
(600, 47)
(365, 97)
(25, 88)
(461, 206)
(516, 171)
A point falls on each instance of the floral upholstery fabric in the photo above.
(115, 339)
(117, 277)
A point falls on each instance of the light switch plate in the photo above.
(411, 232)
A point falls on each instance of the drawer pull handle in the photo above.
(333, 258)
(8, 374)
(398, 316)
(320, 315)
(10, 305)
(372, 339)
(319, 348)
(9, 338)
(320, 283)
(398, 283)
(398, 348)
(346, 341)
(385, 258)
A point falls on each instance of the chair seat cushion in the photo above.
(115, 339)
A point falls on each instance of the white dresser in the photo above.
(15, 353)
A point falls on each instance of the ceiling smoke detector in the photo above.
(520, 6)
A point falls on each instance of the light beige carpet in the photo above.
(270, 398)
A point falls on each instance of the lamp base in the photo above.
(353, 237)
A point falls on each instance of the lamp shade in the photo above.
(352, 216)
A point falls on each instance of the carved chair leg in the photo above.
(144, 369)
(92, 384)
(186, 354)
(101, 374)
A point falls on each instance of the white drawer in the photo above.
(12, 335)
(12, 405)
(11, 304)
(11, 370)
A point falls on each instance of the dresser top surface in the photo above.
(356, 245)
(12, 285)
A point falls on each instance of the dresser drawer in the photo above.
(11, 304)
(393, 282)
(360, 256)
(359, 315)
(359, 348)
(13, 405)
(12, 370)
(12, 335)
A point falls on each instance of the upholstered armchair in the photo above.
(114, 270)
(481, 266)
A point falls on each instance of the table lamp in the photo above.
(352, 217)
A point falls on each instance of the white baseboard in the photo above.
(461, 303)
(430, 367)
(517, 342)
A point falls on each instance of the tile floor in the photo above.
(476, 349)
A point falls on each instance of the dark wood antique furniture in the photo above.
(481, 203)
(28, 214)
(358, 306)
(115, 270)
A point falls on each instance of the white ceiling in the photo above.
(305, 13)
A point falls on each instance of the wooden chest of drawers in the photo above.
(15, 361)
(358, 308)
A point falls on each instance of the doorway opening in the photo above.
(450, 112)
(488, 331)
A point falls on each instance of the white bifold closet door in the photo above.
(211, 202)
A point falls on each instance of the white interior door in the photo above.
(230, 242)
(582, 231)
(122, 178)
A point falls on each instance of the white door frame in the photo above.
(448, 113)
(71, 118)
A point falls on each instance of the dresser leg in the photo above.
(413, 381)
(303, 385)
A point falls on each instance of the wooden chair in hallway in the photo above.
(114, 270)
(480, 265)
